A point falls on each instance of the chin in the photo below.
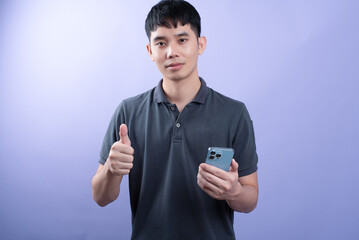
(175, 77)
(178, 79)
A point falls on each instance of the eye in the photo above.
(183, 40)
(160, 44)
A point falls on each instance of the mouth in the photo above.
(175, 66)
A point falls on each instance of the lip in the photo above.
(175, 66)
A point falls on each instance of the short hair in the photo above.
(168, 13)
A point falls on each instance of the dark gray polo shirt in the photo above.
(166, 201)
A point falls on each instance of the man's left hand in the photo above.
(218, 183)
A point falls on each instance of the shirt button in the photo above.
(178, 125)
(172, 108)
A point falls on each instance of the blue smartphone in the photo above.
(220, 157)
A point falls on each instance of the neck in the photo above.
(181, 92)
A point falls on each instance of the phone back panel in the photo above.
(220, 157)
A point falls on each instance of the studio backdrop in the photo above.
(66, 65)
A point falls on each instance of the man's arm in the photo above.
(241, 193)
(247, 197)
(107, 180)
(105, 186)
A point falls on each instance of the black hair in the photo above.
(168, 13)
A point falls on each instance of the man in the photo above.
(160, 139)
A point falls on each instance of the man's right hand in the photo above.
(120, 158)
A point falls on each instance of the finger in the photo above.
(120, 157)
(234, 166)
(119, 151)
(124, 135)
(121, 167)
(122, 148)
(214, 171)
(124, 166)
(125, 158)
(212, 179)
(120, 172)
(209, 188)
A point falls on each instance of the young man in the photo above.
(160, 139)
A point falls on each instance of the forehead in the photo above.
(165, 32)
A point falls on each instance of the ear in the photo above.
(202, 42)
(149, 50)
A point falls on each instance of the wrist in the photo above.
(237, 192)
(107, 169)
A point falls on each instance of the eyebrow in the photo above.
(182, 34)
(158, 38)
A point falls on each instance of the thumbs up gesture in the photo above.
(120, 158)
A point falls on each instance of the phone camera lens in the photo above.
(213, 152)
(218, 155)
(211, 157)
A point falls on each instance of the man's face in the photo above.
(175, 51)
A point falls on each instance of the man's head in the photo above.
(173, 28)
(170, 13)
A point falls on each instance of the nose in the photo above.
(172, 51)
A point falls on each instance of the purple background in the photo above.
(66, 65)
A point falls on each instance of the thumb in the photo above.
(234, 166)
(124, 135)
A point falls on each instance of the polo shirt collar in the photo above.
(159, 95)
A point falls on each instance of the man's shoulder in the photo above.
(135, 103)
(223, 101)
(140, 98)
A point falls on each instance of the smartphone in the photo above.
(220, 157)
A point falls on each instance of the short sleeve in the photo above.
(112, 133)
(244, 145)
